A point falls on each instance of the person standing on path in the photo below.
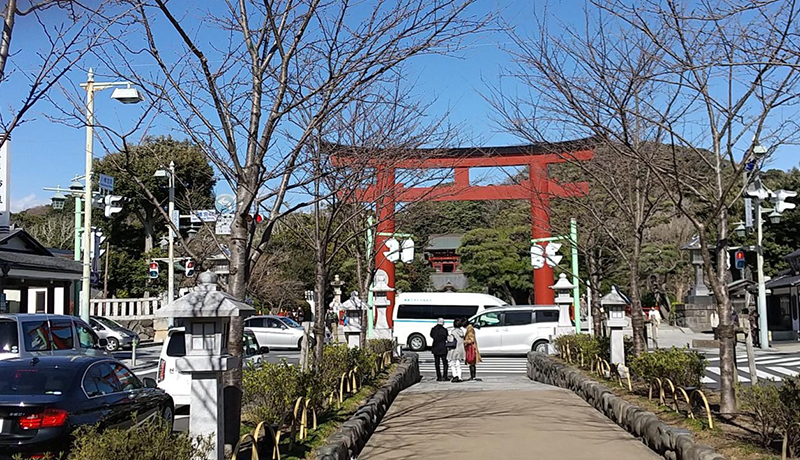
(473, 354)
(439, 349)
(753, 318)
(456, 354)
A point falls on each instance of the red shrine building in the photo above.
(441, 255)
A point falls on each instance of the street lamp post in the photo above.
(170, 174)
(126, 95)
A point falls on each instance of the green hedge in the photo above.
(683, 367)
(271, 390)
(153, 440)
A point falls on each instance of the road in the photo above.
(147, 366)
(770, 365)
(491, 365)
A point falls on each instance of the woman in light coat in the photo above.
(455, 356)
(470, 341)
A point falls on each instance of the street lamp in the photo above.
(170, 174)
(740, 230)
(58, 200)
(774, 217)
(129, 95)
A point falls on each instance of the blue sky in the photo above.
(46, 153)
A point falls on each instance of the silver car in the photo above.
(116, 335)
(277, 331)
(24, 335)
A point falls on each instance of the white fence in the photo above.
(125, 309)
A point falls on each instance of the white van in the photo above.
(416, 313)
(514, 330)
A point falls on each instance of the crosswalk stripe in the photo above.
(783, 371)
(715, 370)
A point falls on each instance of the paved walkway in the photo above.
(502, 417)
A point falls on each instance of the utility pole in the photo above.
(171, 255)
(763, 331)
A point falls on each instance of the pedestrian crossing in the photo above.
(770, 366)
(495, 365)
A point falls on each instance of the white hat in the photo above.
(440, 321)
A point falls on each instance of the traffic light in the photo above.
(537, 256)
(113, 204)
(551, 252)
(407, 251)
(779, 199)
(189, 268)
(740, 262)
(153, 269)
(392, 252)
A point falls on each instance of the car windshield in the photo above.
(290, 322)
(108, 323)
(22, 379)
(9, 340)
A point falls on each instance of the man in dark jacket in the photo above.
(439, 349)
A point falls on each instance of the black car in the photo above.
(43, 399)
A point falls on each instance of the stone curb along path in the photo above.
(670, 442)
(348, 441)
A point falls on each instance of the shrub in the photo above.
(763, 402)
(380, 346)
(789, 394)
(682, 367)
(605, 346)
(269, 391)
(153, 440)
(580, 344)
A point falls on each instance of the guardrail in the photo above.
(125, 309)
(296, 421)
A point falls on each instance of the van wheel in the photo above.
(416, 342)
(540, 347)
(112, 344)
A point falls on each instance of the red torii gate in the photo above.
(538, 189)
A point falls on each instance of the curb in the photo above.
(668, 441)
(348, 441)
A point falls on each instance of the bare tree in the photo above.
(256, 96)
(65, 38)
(701, 84)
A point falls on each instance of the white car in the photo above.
(276, 331)
(178, 384)
(518, 329)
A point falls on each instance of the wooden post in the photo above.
(304, 349)
(748, 341)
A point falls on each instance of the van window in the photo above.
(37, 335)
(61, 331)
(255, 322)
(177, 345)
(517, 318)
(9, 340)
(491, 319)
(546, 316)
(251, 347)
(86, 337)
(449, 312)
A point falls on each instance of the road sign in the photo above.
(106, 183)
(537, 256)
(226, 204)
(224, 222)
(176, 220)
(551, 254)
(203, 215)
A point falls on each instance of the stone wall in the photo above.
(353, 435)
(670, 442)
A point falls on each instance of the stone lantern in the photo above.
(206, 313)
(614, 303)
(563, 298)
(380, 288)
(353, 310)
(700, 304)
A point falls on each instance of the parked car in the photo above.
(276, 331)
(27, 335)
(517, 329)
(43, 399)
(179, 384)
(117, 336)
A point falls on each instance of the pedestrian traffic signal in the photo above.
(153, 269)
(740, 262)
(189, 268)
